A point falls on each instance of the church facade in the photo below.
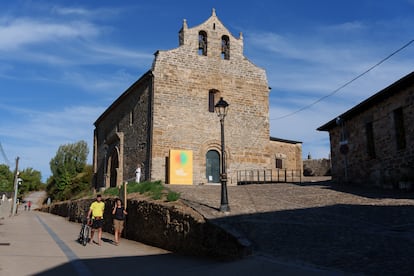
(171, 107)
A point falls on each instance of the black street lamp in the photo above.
(221, 110)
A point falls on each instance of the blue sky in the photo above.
(62, 63)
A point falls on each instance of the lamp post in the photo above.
(221, 110)
(16, 187)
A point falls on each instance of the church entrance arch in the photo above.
(213, 166)
(113, 169)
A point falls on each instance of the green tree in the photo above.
(31, 181)
(68, 163)
(6, 179)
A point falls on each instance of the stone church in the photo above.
(171, 107)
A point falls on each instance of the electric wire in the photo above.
(237, 167)
(345, 84)
(3, 153)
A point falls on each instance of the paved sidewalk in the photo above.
(307, 229)
(35, 243)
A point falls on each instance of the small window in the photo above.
(225, 47)
(399, 128)
(131, 118)
(202, 43)
(211, 99)
(369, 132)
(279, 163)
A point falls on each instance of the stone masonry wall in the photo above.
(390, 166)
(164, 226)
(125, 130)
(317, 167)
(291, 155)
(170, 107)
(182, 81)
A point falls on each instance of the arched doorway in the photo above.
(213, 166)
(114, 169)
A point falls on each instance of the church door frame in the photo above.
(213, 166)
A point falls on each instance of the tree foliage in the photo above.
(31, 181)
(6, 179)
(70, 174)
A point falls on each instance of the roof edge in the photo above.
(146, 75)
(284, 140)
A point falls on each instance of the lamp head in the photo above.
(221, 108)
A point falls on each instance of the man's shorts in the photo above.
(97, 223)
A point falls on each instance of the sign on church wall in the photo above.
(181, 167)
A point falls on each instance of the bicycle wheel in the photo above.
(85, 235)
(80, 239)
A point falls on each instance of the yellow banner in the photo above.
(181, 167)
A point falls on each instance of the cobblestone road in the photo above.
(349, 229)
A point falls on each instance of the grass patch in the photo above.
(154, 190)
(173, 196)
(113, 191)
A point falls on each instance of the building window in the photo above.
(279, 163)
(202, 43)
(225, 47)
(211, 99)
(399, 128)
(369, 131)
(131, 118)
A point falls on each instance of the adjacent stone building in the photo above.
(171, 107)
(373, 143)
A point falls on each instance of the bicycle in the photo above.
(84, 232)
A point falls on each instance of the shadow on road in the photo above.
(167, 264)
(377, 240)
(368, 192)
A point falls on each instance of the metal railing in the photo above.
(267, 176)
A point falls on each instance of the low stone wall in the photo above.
(317, 167)
(165, 226)
(5, 208)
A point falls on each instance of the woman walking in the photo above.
(119, 213)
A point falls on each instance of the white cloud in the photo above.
(21, 32)
(302, 69)
(104, 84)
(346, 27)
(83, 12)
(71, 11)
(36, 139)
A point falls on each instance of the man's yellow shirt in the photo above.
(97, 209)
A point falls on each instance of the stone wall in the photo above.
(165, 226)
(389, 165)
(125, 129)
(171, 106)
(289, 153)
(182, 81)
(317, 167)
(5, 207)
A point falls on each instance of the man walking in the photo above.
(97, 210)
